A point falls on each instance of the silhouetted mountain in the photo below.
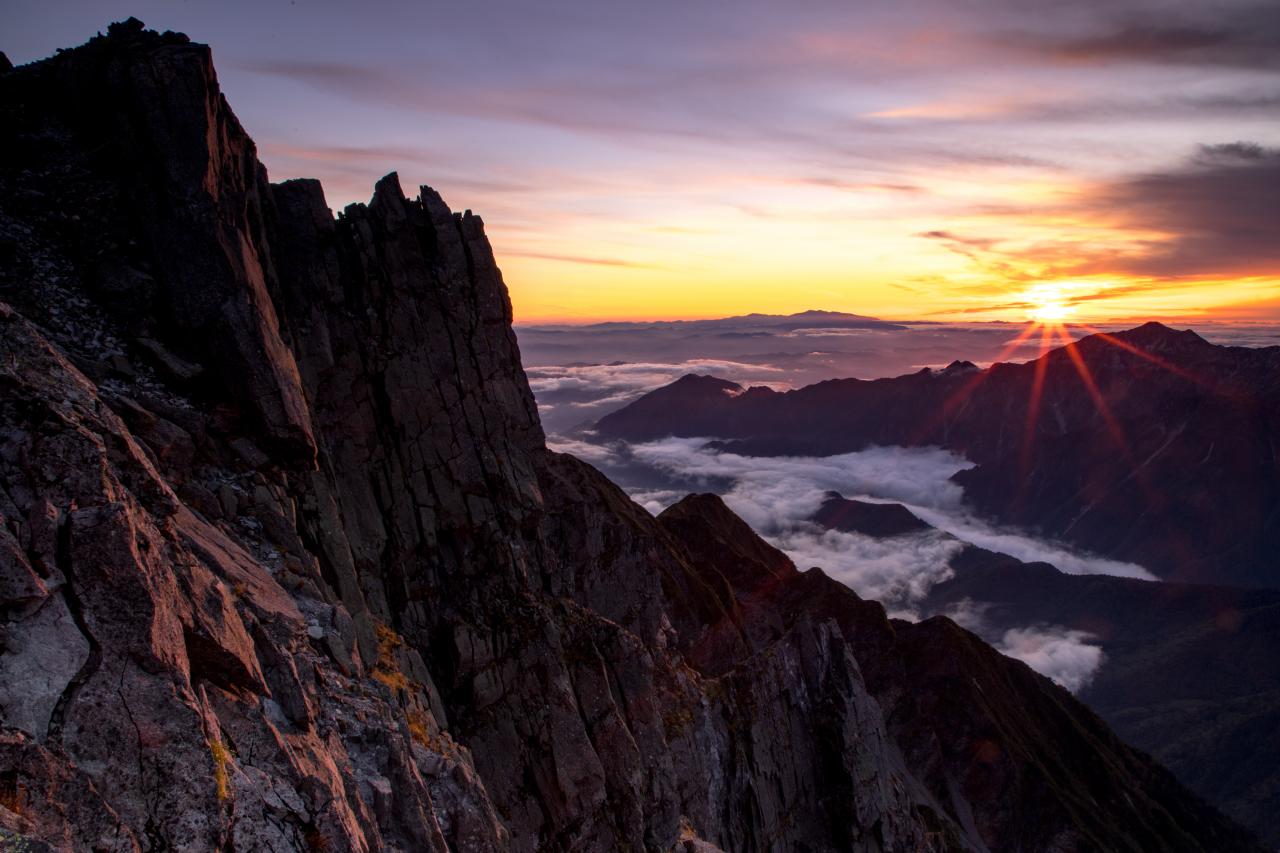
(871, 519)
(811, 319)
(1150, 446)
(1190, 672)
(743, 324)
(694, 395)
(286, 565)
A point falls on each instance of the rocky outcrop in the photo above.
(870, 519)
(285, 565)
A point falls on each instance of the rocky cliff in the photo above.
(285, 565)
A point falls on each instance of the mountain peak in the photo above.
(722, 542)
(705, 382)
(1156, 335)
(697, 396)
(129, 27)
(878, 520)
(959, 367)
(701, 378)
(820, 313)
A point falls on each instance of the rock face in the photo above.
(285, 565)
(1151, 446)
(1188, 672)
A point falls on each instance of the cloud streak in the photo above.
(778, 496)
(1214, 217)
(582, 259)
(1069, 657)
(1063, 655)
(1025, 548)
(1232, 35)
(1218, 214)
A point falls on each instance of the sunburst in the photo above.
(1049, 302)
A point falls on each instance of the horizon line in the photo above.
(933, 320)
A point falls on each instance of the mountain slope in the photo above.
(1149, 446)
(1187, 673)
(284, 563)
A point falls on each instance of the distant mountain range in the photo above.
(1151, 445)
(742, 324)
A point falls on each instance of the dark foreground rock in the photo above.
(285, 565)
(1188, 673)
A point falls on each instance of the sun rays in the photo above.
(1091, 386)
(953, 403)
(1050, 343)
(1037, 392)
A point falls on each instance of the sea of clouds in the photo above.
(579, 374)
(778, 496)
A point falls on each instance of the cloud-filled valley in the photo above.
(579, 374)
(778, 496)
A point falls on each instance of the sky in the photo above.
(969, 159)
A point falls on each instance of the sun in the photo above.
(1048, 303)
(1050, 312)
